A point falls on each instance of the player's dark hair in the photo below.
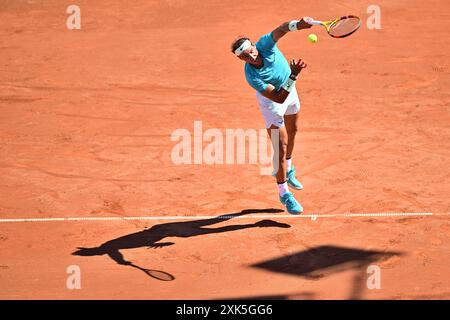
(238, 42)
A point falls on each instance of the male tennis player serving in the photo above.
(269, 73)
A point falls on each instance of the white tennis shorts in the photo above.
(274, 113)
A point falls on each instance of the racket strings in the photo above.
(157, 274)
(345, 26)
(160, 275)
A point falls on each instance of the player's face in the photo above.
(250, 55)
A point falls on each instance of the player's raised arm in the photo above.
(290, 26)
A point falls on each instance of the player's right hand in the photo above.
(160, 245)
(297, 66)
(304, 23)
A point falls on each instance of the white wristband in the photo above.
(293, 25)
(289, 84)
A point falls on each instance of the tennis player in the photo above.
(273, 78)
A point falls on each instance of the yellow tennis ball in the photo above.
(312, 38)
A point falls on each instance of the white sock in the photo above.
(288, 164)
(283, 188)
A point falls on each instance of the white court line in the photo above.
(304, 216)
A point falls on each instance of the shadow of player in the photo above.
(318, 262)
(151, 237)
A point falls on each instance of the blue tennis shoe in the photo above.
(292, 180)
(291, 204)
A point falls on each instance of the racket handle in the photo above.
(315, 22)
(311, 21)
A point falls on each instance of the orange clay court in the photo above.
(86, 118)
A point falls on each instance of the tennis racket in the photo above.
(339, 28)
(157, 274)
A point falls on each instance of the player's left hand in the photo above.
(297, 66)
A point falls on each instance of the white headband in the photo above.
(244, 46)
